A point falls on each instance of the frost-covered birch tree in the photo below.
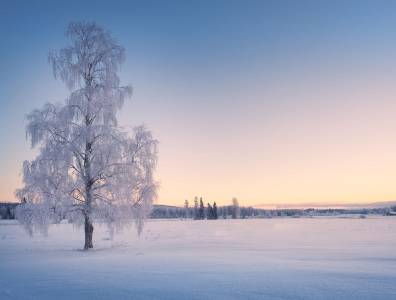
(88, 169)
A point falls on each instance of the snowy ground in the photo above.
(318, 258)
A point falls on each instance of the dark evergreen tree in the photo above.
(201, 209)
(215, 211)
(196, 210)
(209, 212)
(8, 214)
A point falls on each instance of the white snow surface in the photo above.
(280, 258)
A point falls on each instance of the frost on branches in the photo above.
(88, 169)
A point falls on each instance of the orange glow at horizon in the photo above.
(287, 153)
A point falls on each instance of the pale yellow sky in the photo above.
(272, 145)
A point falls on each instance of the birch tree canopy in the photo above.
(88, 169)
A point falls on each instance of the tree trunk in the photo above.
(88, 233)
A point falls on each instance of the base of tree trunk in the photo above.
(88, 234)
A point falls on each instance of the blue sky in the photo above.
(268, 101)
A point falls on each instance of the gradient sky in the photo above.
(267, 101)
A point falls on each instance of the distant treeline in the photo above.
(234, 211)
(7, 210)
(223, 212)
(200, 211)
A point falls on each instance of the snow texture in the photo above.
(281, 258)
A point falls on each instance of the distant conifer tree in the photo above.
(201, 209)
(196, 210)
(209, 212)
(215, 211)
(236, 211)
(186, 209)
